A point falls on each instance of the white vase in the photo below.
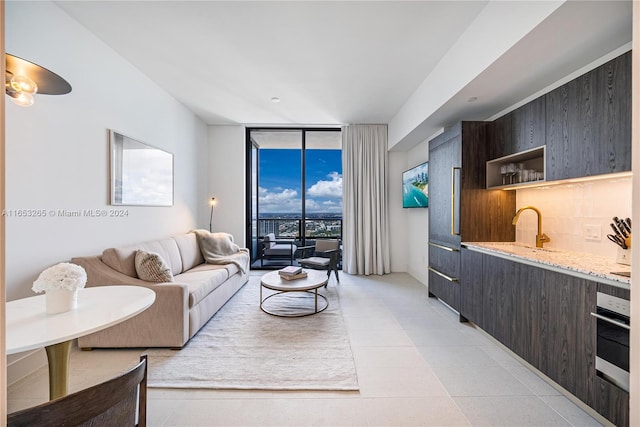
(61, 300)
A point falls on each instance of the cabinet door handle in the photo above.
(455, 228)
(446, 248)
(613, 322)
(449, 278)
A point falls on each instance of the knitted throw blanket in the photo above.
(218, 248)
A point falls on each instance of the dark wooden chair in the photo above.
(324, 255)
(115, 402)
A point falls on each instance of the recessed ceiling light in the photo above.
(472, 99)
(275, 99)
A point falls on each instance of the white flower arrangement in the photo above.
(61, 276)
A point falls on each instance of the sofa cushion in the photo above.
(189, 250)
(123, 259)
(281, 249)
(269, 240)
(202, 280)
(231, 268)
(151, 267)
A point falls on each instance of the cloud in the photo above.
(279, 200)
(331, 189)
(286, 200)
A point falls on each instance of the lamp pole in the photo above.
(212, 203)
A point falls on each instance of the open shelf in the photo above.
(533, 159)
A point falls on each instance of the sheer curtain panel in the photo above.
(365, 216)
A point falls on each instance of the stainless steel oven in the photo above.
(612, 336)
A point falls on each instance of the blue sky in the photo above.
(280, 183)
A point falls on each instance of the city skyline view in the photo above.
(280, 182)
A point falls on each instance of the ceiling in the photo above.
(328, 62)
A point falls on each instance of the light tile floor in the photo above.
(416, 364)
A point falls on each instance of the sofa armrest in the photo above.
(100, 274)
(164, 324)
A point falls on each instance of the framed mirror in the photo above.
(141, 175)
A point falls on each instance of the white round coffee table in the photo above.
(309, 285)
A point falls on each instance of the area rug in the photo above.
(242, 347)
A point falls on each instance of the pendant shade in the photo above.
(48, 82)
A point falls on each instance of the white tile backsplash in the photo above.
(567, 209)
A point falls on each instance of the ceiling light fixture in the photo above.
(472, 99)
(275, 99)
(23, 79)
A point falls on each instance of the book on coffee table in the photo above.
(300, 275)
(290, 271)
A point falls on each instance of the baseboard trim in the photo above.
(21, 365)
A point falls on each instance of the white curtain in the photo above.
(365, 216)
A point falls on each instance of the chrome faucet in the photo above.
(541, 238)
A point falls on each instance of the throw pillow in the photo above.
(151, 267)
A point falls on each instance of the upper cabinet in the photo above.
(500, 137)
(588, 123)
(518, 131)
(585, 125)
(528, 125)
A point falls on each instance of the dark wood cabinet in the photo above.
(500, 137)
(471, 285)
(445, 260)
(611, 401)
(444, 271)
(528, 126)
(497, 299)
(570, 356)
(445, 163)
(444, 288)
(588, 123)
(515, 306)
(543, 316)
(520, 130)
(460, 208)
(530, 306)
(585, 124)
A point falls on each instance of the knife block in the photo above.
(624, 256)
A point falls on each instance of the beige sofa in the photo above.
(181, 307)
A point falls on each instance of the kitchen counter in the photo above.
(590, 267)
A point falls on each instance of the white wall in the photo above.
(57, 150)
(418, 223)
(227, 177)
(567, 209)
(408, 227)
(398, 230)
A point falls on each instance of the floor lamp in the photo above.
(212, 203)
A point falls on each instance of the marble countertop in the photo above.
(579, 264)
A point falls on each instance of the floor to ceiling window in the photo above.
(294, 185)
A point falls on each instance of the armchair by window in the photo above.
(277, 249)
(324, 255)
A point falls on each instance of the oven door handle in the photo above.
(614, 322)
